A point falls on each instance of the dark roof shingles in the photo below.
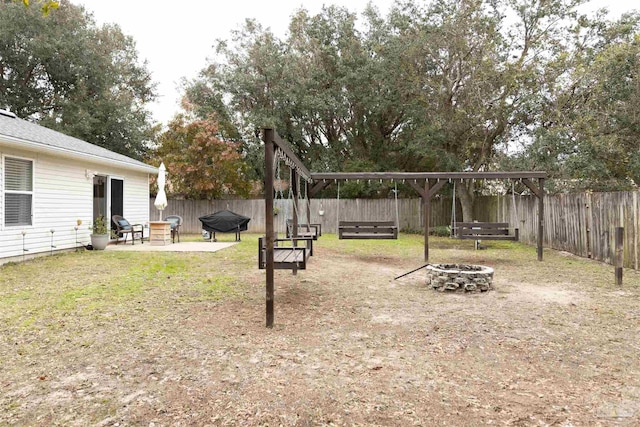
(25, 130)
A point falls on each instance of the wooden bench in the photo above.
(367, 230)
(485, 231)
(286, 257)
(305, 230)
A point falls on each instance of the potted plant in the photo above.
(100, 235)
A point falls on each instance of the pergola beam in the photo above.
(426, 175)
(535, 190)
(418, 188)
(437, 187)
(318, 187)
(300, 168)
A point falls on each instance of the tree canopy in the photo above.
(452, 85)
(67, 73)
(588, 130)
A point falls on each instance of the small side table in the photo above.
(159, 233)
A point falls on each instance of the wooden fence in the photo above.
(410, 212)
(581, 223)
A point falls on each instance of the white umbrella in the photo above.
(161, 197)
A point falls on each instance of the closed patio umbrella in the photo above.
(161, 198)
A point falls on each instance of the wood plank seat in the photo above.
(485, 231)
(305, 230)
(367, 230)
(286, 257)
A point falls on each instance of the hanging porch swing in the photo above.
(368, 229)
(482, 230)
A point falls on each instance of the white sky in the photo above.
(176, 40)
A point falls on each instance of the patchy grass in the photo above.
(83, 283)
(134, 338)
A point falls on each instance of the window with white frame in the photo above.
(18, 192)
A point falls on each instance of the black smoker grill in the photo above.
(224, 222)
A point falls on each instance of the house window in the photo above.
(18, 192)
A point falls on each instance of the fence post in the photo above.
(589, 222)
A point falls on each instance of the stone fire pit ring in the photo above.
(460, 277)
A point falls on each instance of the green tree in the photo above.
(200, 163)
(314, 88)
(70, 75)
(587, 133)
(453, 85)
(477, 76)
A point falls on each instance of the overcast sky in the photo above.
(177, 40)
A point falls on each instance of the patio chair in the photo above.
(124, 228)
(176, 222)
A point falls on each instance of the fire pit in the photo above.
(460, 277)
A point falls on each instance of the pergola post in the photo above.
(294, 223)
(539, 193)
(306, 192)
(274, 145)
(269, 152)
(427, 218)
(426, 193)
(540, 216)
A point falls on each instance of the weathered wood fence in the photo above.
(581, 223)
(410, 212)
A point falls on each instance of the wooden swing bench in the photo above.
(312, 231)
(286, 257)
(367, 230)
(485, 231)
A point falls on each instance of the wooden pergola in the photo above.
(427, 184)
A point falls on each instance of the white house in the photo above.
(52, 186)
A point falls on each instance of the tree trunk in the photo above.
(465, 193)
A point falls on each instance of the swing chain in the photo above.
(280, 154)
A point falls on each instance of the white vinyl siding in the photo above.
(62, 195)
(18, 192)
(136, 199)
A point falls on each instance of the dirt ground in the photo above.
(555, 344)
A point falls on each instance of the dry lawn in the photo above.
(178, 339)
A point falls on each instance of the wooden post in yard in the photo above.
(294, 230)
(268, 136)
(589, 222)
(427, 218)
(619, 254)
(306, 193)
(540, 217)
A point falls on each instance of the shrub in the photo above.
(100, 225)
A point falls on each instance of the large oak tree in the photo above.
(452, 85)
